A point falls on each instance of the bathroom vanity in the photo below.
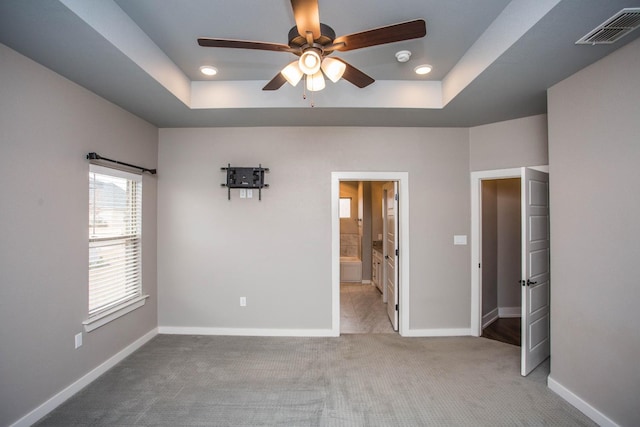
(376, 267)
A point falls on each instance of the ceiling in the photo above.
(492, 59)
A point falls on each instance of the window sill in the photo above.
(112, 314)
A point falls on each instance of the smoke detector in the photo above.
(403, 55)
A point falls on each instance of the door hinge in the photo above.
(396, 307)
(396, 196)
(479, 265)
(397, 253)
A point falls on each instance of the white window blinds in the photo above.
(115, 238)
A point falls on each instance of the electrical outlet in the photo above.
(78, 340)
(243, 301)
(249, 193)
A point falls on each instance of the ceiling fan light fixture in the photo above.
(208, 70)
(333, 68)
(292, 73)
(423, 69)
(315, 82)
(309, 62)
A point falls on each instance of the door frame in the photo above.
(476, 235)
(403, 230)
(393, 187)
(476, 239)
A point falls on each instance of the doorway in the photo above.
(401, 265)
(362, 309)
(501, 263)
(534, 283)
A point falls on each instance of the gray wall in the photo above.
(203, 267)
(376, 210)
(366, 231)
(509, 144)
(47, 126)
(594, 150)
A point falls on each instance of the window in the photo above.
(345, 207)
(115, 242)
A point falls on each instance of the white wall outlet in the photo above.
(249, 193)
(78, 340)
(243, 193)
(243, 301)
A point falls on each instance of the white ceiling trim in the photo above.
(513, 22)
(382, 94)
(108, 20)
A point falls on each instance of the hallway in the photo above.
(362, 310)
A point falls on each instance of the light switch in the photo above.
(243, 193)
(460, 240)
(249, 193)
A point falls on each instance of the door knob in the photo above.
(386, 257)
(530, 282)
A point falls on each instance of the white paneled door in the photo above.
(535, 281)
(391, 250)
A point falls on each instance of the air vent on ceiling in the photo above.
(614, 28)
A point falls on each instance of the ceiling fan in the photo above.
(313, 42)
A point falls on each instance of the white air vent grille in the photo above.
(614, 28)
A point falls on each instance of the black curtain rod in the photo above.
(95, 156)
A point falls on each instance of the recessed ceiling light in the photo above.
(423, 69)
(208, 70)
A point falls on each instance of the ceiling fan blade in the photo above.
(275, 83)
(389, 34)
(307, 17)
(245, 44)
(355, 76)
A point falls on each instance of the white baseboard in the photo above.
(509, 311)
(245, 332)
(438, 332)
(490, 317)
(584, 407)
(255, 332)
(84, 381)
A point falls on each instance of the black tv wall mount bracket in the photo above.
(245, 177)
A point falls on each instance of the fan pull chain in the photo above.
(304, 92)
(304, 88)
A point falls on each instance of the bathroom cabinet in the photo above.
(376, 269)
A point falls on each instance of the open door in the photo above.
(391, 250)
(535, 281)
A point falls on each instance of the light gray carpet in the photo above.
(362, 310)
(353, 380)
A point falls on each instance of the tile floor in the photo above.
(362, 310)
